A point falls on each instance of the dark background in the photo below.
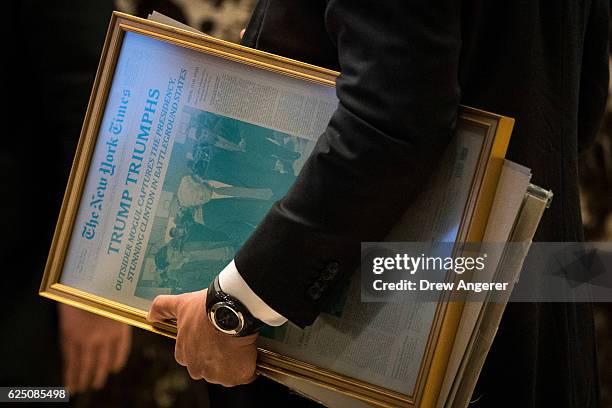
(50, 54)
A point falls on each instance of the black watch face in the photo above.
(226, 318)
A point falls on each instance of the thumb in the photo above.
(163, 308)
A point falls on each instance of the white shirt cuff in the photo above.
(232, 283)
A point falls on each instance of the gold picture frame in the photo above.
(496, 129)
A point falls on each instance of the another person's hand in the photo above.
(92, 346)
(207, 353)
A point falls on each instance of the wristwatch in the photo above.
(227, 314)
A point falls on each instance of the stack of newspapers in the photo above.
(189, 140)
(514, 217)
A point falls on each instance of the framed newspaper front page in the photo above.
(187, 141)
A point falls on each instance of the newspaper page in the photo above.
(192, 151)
(509, 195)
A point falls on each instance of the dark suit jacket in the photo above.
(405, 66)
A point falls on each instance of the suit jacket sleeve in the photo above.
(398, 93)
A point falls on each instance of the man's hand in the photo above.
(207, 353)
(92, 347)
